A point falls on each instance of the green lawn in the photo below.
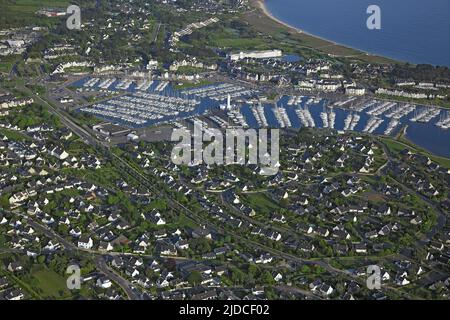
(26, 7)
(393, 145)
(6, 63)
(13, 135)
(183, 221)
(22, 12)
(239, 43)
(189, 70)
(5, 67)
(188, 85)
(261, 203)
(48, 283)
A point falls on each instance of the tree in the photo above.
(270, 293)
(267, 278)
(237, 276)
(4, 201)
(252, 270)
(201, 245)
(195, 278)
(305, 269)
(41, 259)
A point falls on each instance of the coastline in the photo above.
(261, 6)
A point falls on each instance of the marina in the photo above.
(219, 92)
(400, 111)
(344, 103)
(221, 123)
(91, 82)
(294, 100)
(328, 118)
(161, 86)
(107, 83)
(364, 106)
(237, 118)
(124, 84)
(258, 113)
(305, 117)
(426, 114)
(144, 85)
(140, 108)
(282, 117)
(351, 121)
(149, 102)
(372, 124)
(379, 109)
(391, 126)
(444, 121)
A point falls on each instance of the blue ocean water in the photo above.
(416, 31)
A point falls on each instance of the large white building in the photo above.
(255, 55)
(355, 91)
(322, 85)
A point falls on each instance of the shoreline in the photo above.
(261, 5)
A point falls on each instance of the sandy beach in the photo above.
(262, 5)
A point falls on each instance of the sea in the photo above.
(415, 31)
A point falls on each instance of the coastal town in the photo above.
(88, 181)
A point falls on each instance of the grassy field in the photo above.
(261, 203)
(189, 70)
(239, 43)
(22, 12)
(189, 85)
(13, 135)
(6, 63)
(46, 284)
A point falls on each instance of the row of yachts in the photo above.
(397, 110)
(305, 117)
(282, 117)
(391, 112)
(351, 121)
(328, 118)
(237, 118)
(296, 100)
(260, 116)
(426, 114)
(219, 92)
(124, 84)
(139, 108)
(444, 121)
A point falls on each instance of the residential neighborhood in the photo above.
(95, 206)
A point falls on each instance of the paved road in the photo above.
(441, 217)
(156, 32)
(131, 292)
(99, 260)
(65, 119)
